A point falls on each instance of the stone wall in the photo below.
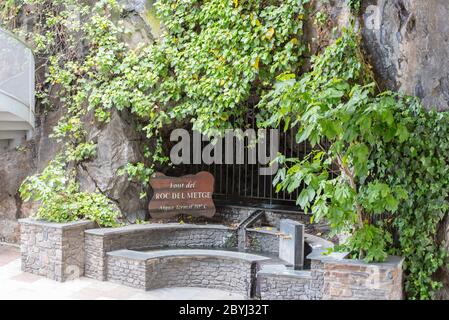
(355, 280)
(284, 287)
(129, 272)
(53, 250)
(70, 250)
(334, 279)
(208, 272)
(152, 236)
(232, 214)
(262, 241)
(230, 271)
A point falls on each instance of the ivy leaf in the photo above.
(256, 63)
(303, 199)
(402, 133)
(270, 33)
(391, 204)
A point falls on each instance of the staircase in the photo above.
(17, 87)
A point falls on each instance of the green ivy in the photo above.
(391, 157)
(61, 201)
(378, 166)
(355, 5)
(419, 164)
(215, 60)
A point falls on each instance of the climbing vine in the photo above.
(389, 193)
(378, 163)
(212, 66)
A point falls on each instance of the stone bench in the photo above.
(216, 269)
(152, 236)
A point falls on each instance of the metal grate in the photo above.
(241, 184)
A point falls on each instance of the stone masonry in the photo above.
(152, 236)
(209, 272)
(347, 279)
(334, 279)
(225, 270)
(279, 286)
(262, 241)
(173, 255)
(53, 250)
(130, 272)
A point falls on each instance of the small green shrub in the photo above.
(61, 201)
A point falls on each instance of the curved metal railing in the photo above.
(17, 85)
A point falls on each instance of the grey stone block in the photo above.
(291, 243)
(53, 250)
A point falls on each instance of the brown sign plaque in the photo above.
(190, 195)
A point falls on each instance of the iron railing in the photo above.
(241, 184)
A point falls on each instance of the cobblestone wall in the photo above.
(317, 278)
(129, 272)
(262, 241)
(334, 278)
(286, 288)
(140, 237)
(225, 274)
(95, 249)
(235, 215)
(53, 250)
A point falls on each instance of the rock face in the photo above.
(117, 145)
(141, 21)
(15, 166)
(408, 44)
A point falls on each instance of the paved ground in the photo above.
(15, 284)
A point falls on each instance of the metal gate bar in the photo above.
(242, 184)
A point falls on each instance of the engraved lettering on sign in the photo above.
(190, 195)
